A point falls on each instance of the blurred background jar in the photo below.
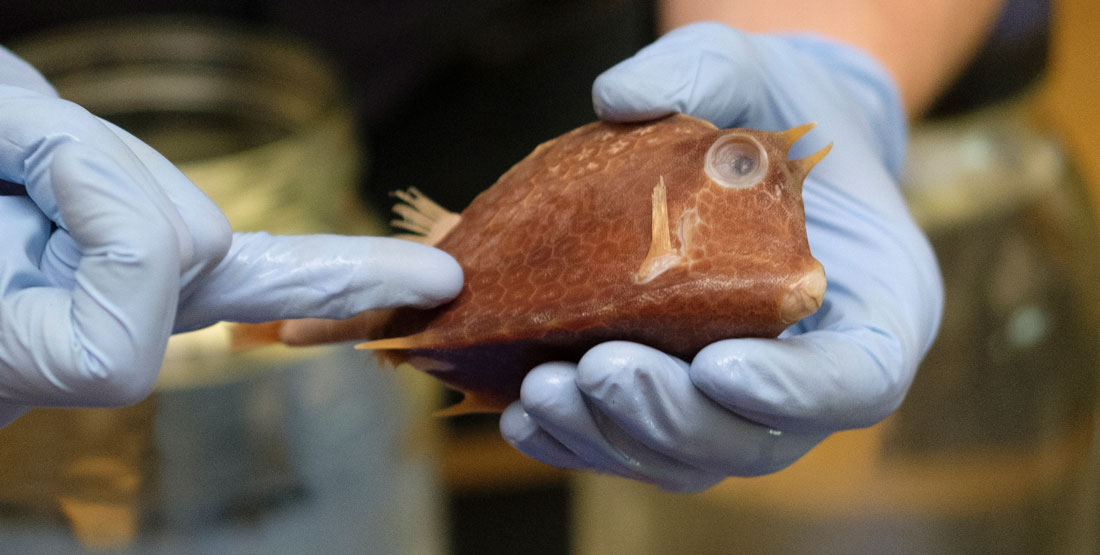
(275, 450)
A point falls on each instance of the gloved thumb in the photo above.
(820, 381)
(706, 70)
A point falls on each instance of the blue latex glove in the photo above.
(108, 249)
(752, 406)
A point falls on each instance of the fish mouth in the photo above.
(803, 296)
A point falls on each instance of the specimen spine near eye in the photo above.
(661, 255)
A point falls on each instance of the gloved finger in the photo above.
(205, 239)
(19, 73)
(823, 380)
(552, 400)
(102, 342)
(271, 277)
(706, 70)
(524, 434)
(25, 231)
(650, 396)
(34, 126)
(60, 259)
(208, 232)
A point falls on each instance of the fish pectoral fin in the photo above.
(414, 341)
(661, 255)
(393, 352)
(426, 221)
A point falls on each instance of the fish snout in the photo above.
(803, 296)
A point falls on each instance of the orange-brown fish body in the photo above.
(671, 233)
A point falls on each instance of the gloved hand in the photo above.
(753, 406)
(108, 249)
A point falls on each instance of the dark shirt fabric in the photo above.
(1010, 60)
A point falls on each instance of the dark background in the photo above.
(449, 94)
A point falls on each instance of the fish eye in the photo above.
(736, 161)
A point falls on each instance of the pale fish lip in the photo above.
(803, 296)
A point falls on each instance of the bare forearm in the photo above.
(922, 44)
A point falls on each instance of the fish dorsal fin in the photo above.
(426, 221)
